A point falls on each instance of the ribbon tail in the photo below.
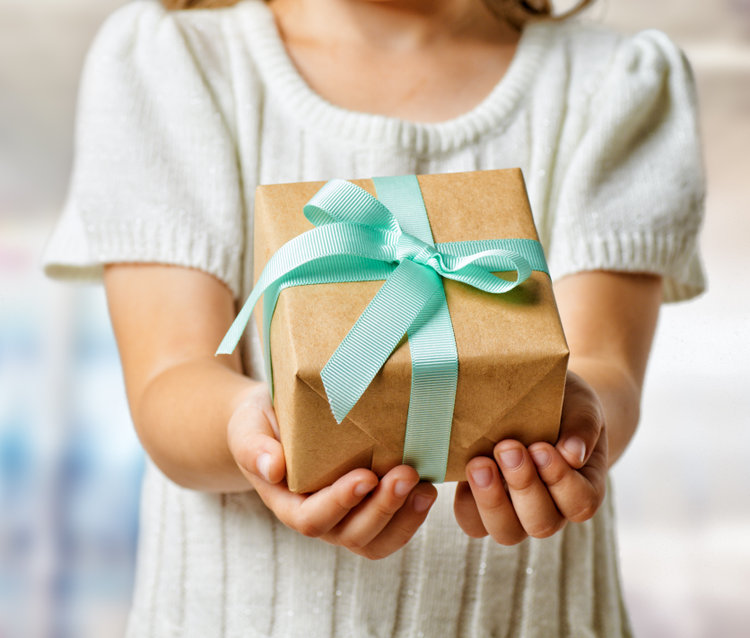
(333, 240)
(234, 334)
(380, 327)
(335, 268)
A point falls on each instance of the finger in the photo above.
(404, 524)
(531, 500)
(260, 397)
(252, 441)
(266, 406)
(316, 514)
(277, 498)
(576, 493)
(580, 423)
(597, 466)
(466, 512)
(495, 508)
(371, 517)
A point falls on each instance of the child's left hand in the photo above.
(536, 491)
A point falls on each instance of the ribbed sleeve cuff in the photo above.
(674, 257)
(75, 252)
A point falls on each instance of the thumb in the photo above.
(252, 437)
(581, 422)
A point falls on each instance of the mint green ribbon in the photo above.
(361, 238)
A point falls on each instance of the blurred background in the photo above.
(70, 464)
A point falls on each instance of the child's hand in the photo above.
(535, 491)
(369, 517)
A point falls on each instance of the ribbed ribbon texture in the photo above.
(358, 237)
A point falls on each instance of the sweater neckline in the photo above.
(282, 78)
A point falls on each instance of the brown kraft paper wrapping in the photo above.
(512, 351)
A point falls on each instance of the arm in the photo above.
(209, 427)
(181, 397)
(609, 321)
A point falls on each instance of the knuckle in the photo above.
(345, 501)
(474, 531)
(402, 537)
(556, 475)
(354, 550)
(586, 509)
(307, 527)
(589, 419)
(523, 482)
(355, 545)
(384, 510)
(244, 459)
(545, 531)
(372, 554)
(498, 508)
(510, 538)
(470, 523)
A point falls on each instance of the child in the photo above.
(183, 113)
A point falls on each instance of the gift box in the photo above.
(511, 352)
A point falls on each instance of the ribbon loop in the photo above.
(342, 201)
(466, 270)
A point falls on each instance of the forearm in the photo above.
(619, 395)
(609, 320)
(181, 418)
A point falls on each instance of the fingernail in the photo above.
(422, 502)
(576, 448)
(402, 488)
(511, 459)
(263, 463)
(540, 457)
(482, 476)
(361, 489)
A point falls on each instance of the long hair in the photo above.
(516, 12)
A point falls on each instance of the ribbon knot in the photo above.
(410, 247)
(361, 238)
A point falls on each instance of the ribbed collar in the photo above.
(282, 79)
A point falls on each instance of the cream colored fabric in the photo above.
(182, 114)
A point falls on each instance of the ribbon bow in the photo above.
(361, 238)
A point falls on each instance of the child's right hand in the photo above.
(369, 517)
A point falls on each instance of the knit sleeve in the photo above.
(631, 198)
(155, 175)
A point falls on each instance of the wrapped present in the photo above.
(404, 320)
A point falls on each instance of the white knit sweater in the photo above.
(182, 114)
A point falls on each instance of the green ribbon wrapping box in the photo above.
(404, 319)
